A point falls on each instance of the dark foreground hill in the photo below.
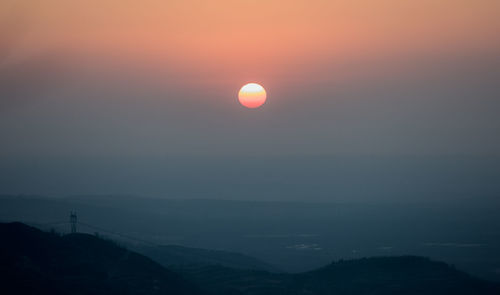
(392, 275)
(380, 275)
(36, 262)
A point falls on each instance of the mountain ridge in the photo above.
(37, 262)
(181, 256)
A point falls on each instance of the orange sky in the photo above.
(378, 76)
(253, 38)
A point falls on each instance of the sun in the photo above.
(252, 95)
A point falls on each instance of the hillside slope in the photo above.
(179, 256)
(403, 275)
(36, 262)
(391, 275)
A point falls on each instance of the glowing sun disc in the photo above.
(252, 95)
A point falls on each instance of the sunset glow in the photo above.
(152, 120)
(217, 44)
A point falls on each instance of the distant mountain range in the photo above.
(37, 262)
(294, 237)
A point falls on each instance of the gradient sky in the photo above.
(153, 78)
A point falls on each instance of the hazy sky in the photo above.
(147, 78)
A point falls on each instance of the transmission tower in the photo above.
(72, 221)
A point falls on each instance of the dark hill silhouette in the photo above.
(391, 275)
(179, 256)
(36, 262)
(380, 275)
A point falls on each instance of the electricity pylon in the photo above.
(73, 220)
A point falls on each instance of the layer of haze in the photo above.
(157, 80)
